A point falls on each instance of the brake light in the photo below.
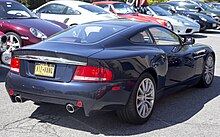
(15, 65)
(90, 73)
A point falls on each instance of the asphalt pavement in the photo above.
(191, 112)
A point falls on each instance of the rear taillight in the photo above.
(15, 65)
(90, 73)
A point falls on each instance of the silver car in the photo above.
(182, 25)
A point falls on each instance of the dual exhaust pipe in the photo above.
(18, 99)
(69, 107)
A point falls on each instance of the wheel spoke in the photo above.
(11, 38)
(140, 97)
(144, 108)
(141, 91)
(149, 98)
(140, 103)
(144, 86)
(145, 98)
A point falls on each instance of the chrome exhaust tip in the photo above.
(18, 99)
(70, 108)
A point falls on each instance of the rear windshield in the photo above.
(87, 33)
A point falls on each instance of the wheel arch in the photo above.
(153, 73)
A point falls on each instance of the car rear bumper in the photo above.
(94, 96)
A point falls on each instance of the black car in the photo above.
(109, 65)
(214, 5)
(205, 21)
(201, 7)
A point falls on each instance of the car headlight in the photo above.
(169, 25)
(38, 33)
(202, 18)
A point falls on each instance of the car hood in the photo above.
(179, 20)
(209, 19)
(47, 27)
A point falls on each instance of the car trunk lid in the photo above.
(53, 61)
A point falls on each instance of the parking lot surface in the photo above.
(190, 112)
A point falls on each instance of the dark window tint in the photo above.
(14, 10)
(122, 8)
(94, 9)
(53, 9)
(71, 11)
(141, 38)
(163, 36)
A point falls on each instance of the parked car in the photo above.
(23, 27)
(214, 5)
(201, 7)
(109, 65)
(3, 46)
(181, 25)
(205, 21)
(125, 11)
(72, 12)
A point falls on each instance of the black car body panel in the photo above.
(172, 66)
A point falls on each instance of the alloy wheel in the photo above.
(145, 98)
(13, 42)
(209, 69)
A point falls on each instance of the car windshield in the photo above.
(121, 8)
(187, 5)
(94, 9)
(87, 33)
(159, 11)
(13, 10)
(205, 6)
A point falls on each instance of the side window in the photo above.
(141, 38)
(163, 36)
(104, 6)
(53, 9)
(71, 11)
(165, 6)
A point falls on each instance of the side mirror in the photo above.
(198, 9)
(188, 40)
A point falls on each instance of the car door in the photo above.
(180, 58)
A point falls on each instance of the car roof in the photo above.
(122, 22)
(70, 3)
(106, 2)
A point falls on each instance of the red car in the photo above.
(23, 27)
(125, 11)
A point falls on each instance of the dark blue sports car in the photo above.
(109, 65)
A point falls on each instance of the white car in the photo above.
(182, 25)
(72, 12)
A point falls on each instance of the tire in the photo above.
(133, 112)
(15, 39)
(208, 72)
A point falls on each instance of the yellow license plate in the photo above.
(46, 70)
